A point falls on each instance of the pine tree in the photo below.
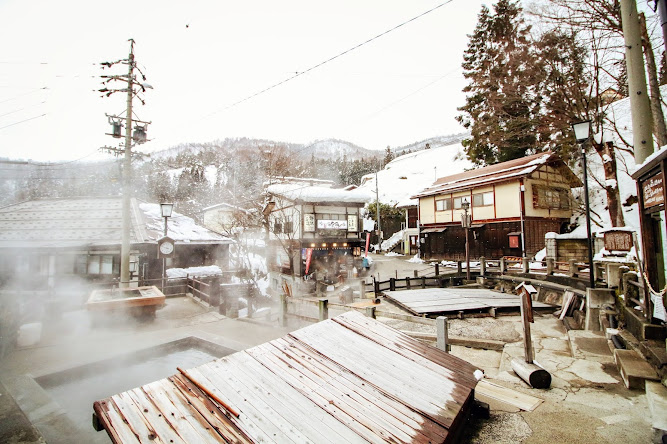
(502, 105)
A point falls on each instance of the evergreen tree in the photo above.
(503, 105)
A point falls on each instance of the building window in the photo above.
(277, 227)
(551, 198)
(457, 203)
(444, 204)
(288, 228)
(482, 199)
(94, 264)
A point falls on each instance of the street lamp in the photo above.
(465, 222)
(165, 210)
(582, 133)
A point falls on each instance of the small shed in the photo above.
(349, 379)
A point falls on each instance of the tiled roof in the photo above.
(85, 222)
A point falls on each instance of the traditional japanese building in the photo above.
(512, 205)
(315, 233)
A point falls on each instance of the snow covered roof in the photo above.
(410, 173)
(650, 162)
(317, 194)
(224, 205)
(88, 222)
(497, 173)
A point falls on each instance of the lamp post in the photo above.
(165, 210)
(465, 222)
(582, 133)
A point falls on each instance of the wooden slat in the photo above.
(486, 389)
(434, 396)
(117, 429)
(152, 413)
(208, 410)
(135, 419)
(251, 407)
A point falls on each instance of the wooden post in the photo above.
(423, 282)
(525, 265)
(442, 337)
(482, 266)
(503, 265)
(459, 267)
(392, 284)
(550, 266)
(283, 310)
(376, 287)
(572, 271)
(324, 309)
(407, 283)
(437, 269)
(416, 273)
(370, 312)
(534, 375)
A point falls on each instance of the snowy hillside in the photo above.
(433, 142)
(409, 174)
(334, 148)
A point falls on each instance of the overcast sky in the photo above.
(202, 57)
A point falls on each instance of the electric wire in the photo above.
(314, 67)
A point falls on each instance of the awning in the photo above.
(433, 230)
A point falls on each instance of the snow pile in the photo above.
(210, 270)
(180, 228)
(392, 254)
(409, 174)
(415, 260)
(305, 193)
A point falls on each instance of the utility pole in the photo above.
(642, 118)
(139, 136)
(377, 211)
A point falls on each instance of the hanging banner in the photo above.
(368, 240)
(309, 257)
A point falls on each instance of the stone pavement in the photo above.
(73, 340)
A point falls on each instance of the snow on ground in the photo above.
(416, 260)
(409, 174)
(391, 254)
(210, 270)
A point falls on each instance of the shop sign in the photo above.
(617, 240)
(653, 190)
(324, 224)
(352, 224)
(309, 223)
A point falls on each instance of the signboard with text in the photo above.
(352, 222)
(653, 190)
(324, 224)
(309, 223)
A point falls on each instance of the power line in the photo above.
(327, 60)
(26, 120)
(24, 94)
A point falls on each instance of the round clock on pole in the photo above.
(165, 247)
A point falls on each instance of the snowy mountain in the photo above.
(433, 142)
(334, 148)
(409, 174)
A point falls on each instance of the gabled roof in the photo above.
(317, 194)
(88, 222)
(349, 379)
(500, 172)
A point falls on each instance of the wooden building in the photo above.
(63, 246)
(512, 206)
(650, 177)
(315, 233)
(350, 379)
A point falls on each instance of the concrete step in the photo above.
(656, 395)
(634, 369)
(656, 354)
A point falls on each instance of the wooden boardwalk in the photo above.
(432, 301)
(350, 379)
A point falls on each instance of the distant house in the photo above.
(512, 206)
(50, 244)
(223, 217)
(315, 232)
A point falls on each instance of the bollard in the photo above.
(572, 271)
(442, 338)
(482, 266)
(503, 265)
(525, 265)
(324, 309)
(370, 312)
(283, 310)
(550, 266)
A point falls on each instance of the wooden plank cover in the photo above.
(350, 379)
